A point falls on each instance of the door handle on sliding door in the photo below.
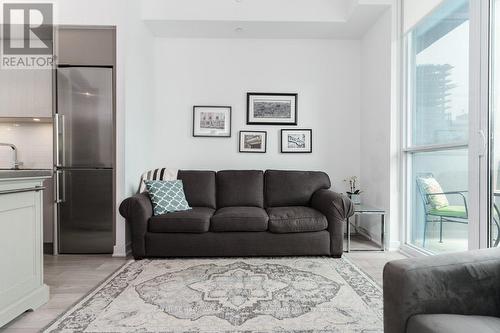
(484, 143)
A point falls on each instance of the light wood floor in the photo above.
(372, 263)
(71, 277)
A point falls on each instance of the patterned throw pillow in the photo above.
(167, 196)
(430, 185)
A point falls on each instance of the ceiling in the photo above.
(308, 19)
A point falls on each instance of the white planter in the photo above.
(356, 199)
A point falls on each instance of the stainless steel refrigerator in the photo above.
(84, 159)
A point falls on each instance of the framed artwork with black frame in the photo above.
(296, 140)
(253, 141)
(211, 121)
(271, 109)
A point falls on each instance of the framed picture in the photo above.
(296, 140)
(211, 121)
(253, 141)
(271, 109)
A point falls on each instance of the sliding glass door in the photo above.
(451, 141)
(436, 129)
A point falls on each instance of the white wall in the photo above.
(139, 98)
(324, 73)
(182, 72)
(375, 126)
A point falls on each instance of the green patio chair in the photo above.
(436, 205)
(496, 218)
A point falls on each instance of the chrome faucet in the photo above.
(17, 164)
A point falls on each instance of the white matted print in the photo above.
(211, 121)
(296, 140)
(253, 141)
(271, 109)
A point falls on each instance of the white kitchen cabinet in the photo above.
(26, 93)
(21, 255)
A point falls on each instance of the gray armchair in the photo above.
(456, 293)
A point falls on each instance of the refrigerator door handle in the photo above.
(56, 141)
(57, 186)
(60, 184)
(60, 132)
(62, 150)
(63, 183)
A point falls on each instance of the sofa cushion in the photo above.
(295, 219)
(240, 188)
(293, 188)
(448, 323)
(199, 187)
(195, 220)
(239, 219)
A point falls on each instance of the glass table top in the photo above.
(362, 208)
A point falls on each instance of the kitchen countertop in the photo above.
(24, 173)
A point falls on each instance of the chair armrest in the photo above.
(466, 283)
(459, 193)
(336, 208)
(137, 210)
(446, 193)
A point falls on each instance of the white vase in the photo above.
(356, 199)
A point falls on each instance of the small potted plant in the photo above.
(354, 192)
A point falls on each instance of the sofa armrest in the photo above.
(137, 210)
(336, 208)
(466, 283)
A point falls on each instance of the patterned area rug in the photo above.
(230, 295)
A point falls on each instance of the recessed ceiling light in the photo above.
(238, 29)
(36, 119)
(17, 125)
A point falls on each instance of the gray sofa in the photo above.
(243, 213)
(451, 293)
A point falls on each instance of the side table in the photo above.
(361, 209)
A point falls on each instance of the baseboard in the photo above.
(365, 233)
(118, 251)
(392, 246)
(395, 246)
